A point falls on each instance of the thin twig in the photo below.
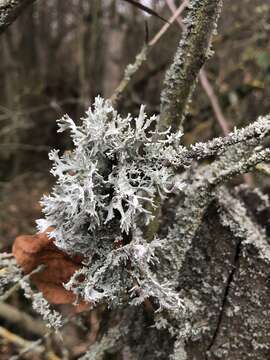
(15, 287)
(9, 292)
(18, 317)
(26, 345)
(55, 105)
(165, 27)
(222, 121)
(141, 57)
(15, 339)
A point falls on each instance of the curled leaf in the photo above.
(31, 251)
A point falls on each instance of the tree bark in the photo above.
(225, 276)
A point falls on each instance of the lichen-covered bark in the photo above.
(193, 50)
(204, 279)
(225, 275)
(244, 329)
(10, 10)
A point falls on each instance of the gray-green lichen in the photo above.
(99, 207)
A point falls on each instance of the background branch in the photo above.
(141, 57)
(18, 317)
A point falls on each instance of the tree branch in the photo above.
(22, 319)
(193, 51)
(10, 10)
(141, 57)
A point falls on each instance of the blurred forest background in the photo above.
(59, 54)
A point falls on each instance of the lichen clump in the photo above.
(105, 194)
(103, 197)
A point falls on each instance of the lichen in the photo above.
(105, 195)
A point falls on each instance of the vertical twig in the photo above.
(192, 52)
(141, 57)
(222, 121)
